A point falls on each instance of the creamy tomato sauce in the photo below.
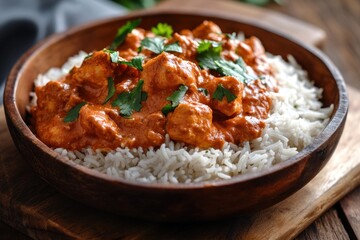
(199, 120)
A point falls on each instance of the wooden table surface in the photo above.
(340, 19)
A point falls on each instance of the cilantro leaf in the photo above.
(175, 99)
(167, 109)
(209, 56)
(208, 52)
(231, 36)
(207, 45)
(136, 62)
(130, 101)
(157, 45)
(114, 55)
(203, 46)
(123, 32)
(173, 47)
(177, 96)
(111, 89)
(163, 30)
(238, 70)
(235, 36)
(73, 114)
(222, 92)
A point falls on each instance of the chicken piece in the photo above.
(187, 32)
(257, 100)
(90, 79)
(167, 71)
(191, 123)
(133, 40)
(240, 129)
(52, 97)
(101, 131)
(129, 48)
(253, 53)
(154, 129)
(54, 132)
(141, 130)
(229, 49)
(208, 30)
(188, 46)
(235, 87)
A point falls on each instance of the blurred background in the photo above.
(25, 22)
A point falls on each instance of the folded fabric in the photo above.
(24, 22)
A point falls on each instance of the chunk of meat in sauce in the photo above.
(188, 46)
(91, 79)
(192, 123)
(98, 129)
(235, 87)
(256, 100)
(51, 98)
(241, 128)
(208, 30)
(253, 53)
(141, 130)
(129, 48)
(166, 71)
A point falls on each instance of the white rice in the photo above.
(296, 118)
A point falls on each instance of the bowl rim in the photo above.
(13, 114)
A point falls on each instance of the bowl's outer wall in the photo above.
(169, 202)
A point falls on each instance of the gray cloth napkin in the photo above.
(24, 22)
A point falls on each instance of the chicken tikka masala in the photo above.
(202, 87)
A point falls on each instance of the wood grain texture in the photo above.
(351, 206)
(82, 222)
(320, 229)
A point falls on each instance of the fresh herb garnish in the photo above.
(238, 70)
(123, 32)
(222, 92)
(111, 89)
(208, 52)
(203, 91)
(114, 55)
(175, 99)
(136, 62)
(209, 57)
(130, 101)
(231, 36)
(73, 114)
(162, 30)
(157, 45)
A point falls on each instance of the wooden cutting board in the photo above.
(30, 205)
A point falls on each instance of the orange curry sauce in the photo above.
(199, 120)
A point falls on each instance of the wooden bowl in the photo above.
(172, 202)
